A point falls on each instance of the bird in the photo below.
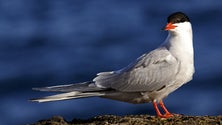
(148, 79)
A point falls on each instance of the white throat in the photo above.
(180, 40)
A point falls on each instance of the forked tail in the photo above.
(71, 91)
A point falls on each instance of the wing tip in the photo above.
(36, 89)
(35, 100)
(40, 100)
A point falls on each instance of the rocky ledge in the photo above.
(135, 120)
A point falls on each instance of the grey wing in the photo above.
(150, 72)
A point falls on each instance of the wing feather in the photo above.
(148, 73)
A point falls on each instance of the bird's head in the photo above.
(178, 22)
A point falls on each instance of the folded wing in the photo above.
(150, 72)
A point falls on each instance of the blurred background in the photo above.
(54, 42)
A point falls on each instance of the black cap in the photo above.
(178, 17)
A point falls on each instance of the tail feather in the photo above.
(66, 96)
(81, 87)
(71, 91)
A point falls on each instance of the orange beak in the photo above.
(170, 26)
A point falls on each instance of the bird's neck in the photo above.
(180, 44)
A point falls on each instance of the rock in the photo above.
(135, 120)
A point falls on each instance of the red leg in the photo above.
(167, 113)
(157, 109)
(164, 108)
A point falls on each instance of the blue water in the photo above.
(45, 43)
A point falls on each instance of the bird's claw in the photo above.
(166, 115)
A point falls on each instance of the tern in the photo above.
(150, 78)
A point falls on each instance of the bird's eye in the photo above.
(178, 21)
(182, 20)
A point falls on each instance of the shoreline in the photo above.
(134, 120)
